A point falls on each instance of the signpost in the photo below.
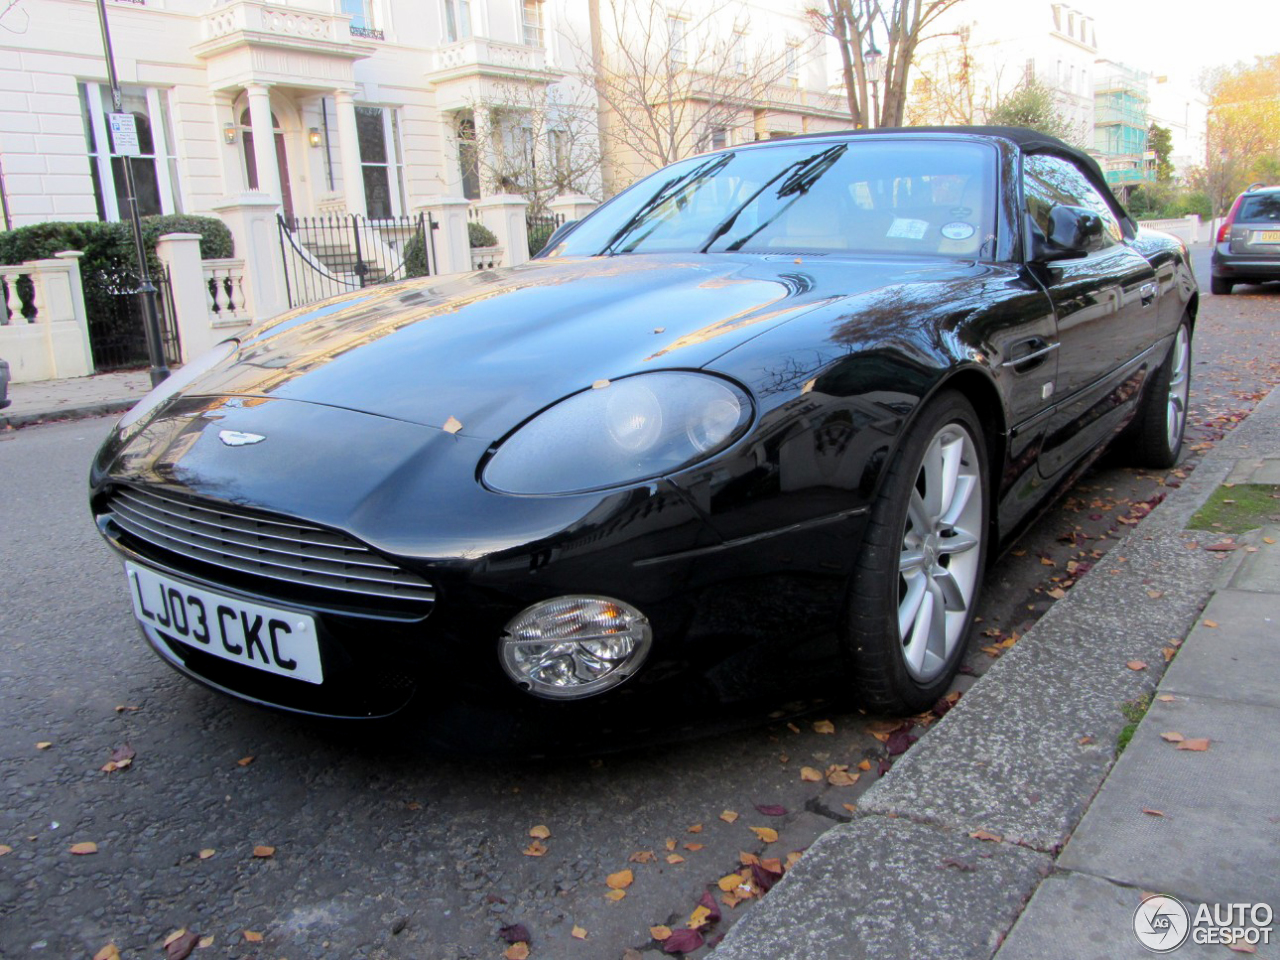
(124, 140)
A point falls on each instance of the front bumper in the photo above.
(735, 624)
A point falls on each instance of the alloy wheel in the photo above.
(1179, 387)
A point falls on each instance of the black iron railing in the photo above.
(540, 228)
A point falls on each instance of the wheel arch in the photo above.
(975, 384)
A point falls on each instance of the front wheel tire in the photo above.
(917, 578)
(1161, 422)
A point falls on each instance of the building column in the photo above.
(349, 149)
(264, 140)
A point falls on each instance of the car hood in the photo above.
(490, 349)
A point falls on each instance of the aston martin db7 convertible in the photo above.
(756, 423)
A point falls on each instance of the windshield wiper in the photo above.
(799, 181)
(700, 172)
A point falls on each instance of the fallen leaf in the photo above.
(1211, 624)
(180, 943)
(824, 726)
(452, 425)
(1223, 547)
(181, 931)
(122, 708)
(1199, 744)
(1166, 698)
(1136, 665)
(1084, 740)
(413, 805)
(1057, 593)
(252, 936)
(615, 895)
(1173, 736)
(708, 902)
(771, 809)
(579, 933)
(696, 828)
(245, 761)
(986, 835)
(540, 832)
(683, 941)
(767, 834)
(631, 954)
(963, 866)
(1268, 540)
(851, 807)
(1154, 813)
(642, 856)
(1155, 594)
(659, 933)
(700, 917)
(764, 877)
(730, 881)
(811, 775)
(205, 942)
(517, 951)
(206, 853)
(864, 765)
(45, 745)
(263, 852)
(670, 844)
(842, 778)
(84, 849)
(728, 816)
(674, 858)
(535, 849)
(620, 880)
(515, 933)
(1240, 946)
(693, 847)
(599, 384)
(109, 952)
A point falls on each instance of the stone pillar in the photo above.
(349, 150)
(573, 206)
(504, 215)
(264, 140)
(251, 218)
(77, 354)
(180, 253)
(453, 247)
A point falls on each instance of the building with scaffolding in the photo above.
(1120, 115)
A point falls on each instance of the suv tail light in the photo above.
(1224, 231)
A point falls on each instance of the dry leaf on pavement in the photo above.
(730, 881)
(696, 828)
(179, 944)
(811, 775)
(252, 936)
(517, 951)
(700, 917)
(1153, 813)
(615, 895)
(986, 835)
(535, 849)
(1198, 744)
(579, 933)
(245, 761)
(84, 849)
(620, 880)
(674, 858)
(642, 856)
(683, 941)
(660, 932)
(45, 745)
(206, 853)
(728, 816)
(767, 834)
(262, 852)
(540, 832)
(514, 933)
(823, 726)
(1136, 665)
(109, 952)
(1172, 736)
(772, 809)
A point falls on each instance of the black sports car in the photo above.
(758, 421)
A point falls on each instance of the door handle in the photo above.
(1040, 349)
(1148, 293)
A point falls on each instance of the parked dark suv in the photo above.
(1248, 245)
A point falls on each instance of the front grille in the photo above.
(263, 547)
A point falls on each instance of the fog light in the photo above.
(573, 647)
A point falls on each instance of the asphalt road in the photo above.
(379, 852)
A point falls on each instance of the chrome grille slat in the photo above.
(318, 558)
(362, 557)
(246, 523)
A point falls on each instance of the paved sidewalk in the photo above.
(95, 396)
(1008, 830)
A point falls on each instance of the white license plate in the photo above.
(277, 641)
(1266, 236)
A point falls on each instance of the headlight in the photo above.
(175, 382)
(632, 429)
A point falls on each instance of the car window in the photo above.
(853, 196)
(1050, 181)
(1265, 207)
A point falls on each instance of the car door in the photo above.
(1105, 305)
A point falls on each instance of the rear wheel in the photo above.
(1220, 286)
(1158, 428)
(918, 575)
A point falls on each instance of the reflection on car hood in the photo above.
(492, 348)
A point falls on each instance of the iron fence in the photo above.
(117, 334)
(540, 227)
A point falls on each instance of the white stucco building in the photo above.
(1184, 111)
(326, 106)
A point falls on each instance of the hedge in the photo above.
(109, 250)
(415, 254)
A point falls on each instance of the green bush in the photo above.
(109, 249)
(478, 235)
(415, 257)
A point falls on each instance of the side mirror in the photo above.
(556, 236)
(1074, 232)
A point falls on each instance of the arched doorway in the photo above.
(282, 160)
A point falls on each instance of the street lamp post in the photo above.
(146, 289)
(873, 63)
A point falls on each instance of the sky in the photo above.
(1182, 38)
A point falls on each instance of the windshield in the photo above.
(857, 196)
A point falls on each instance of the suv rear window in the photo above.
(1265, 206)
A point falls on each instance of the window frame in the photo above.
(95, 98)
(677, 39)
(393, 161)
(536, 29)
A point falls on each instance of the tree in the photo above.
(853, 24)
(1244, 128)
(1033, 104)
(672, 86)
(1160, 141)
(534, 141)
